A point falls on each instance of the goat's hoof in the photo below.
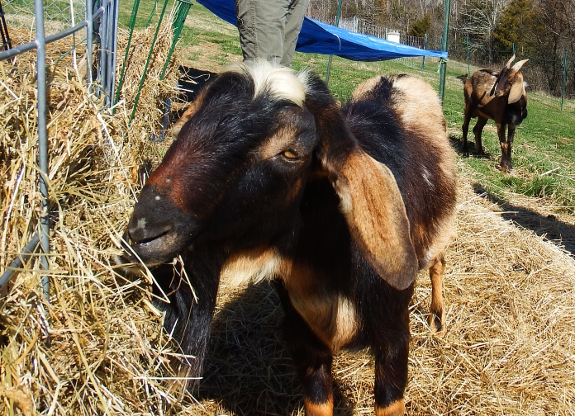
(505, 167)
(437, 321)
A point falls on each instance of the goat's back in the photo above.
(399, 122)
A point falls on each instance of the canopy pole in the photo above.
(443, 62)
(331, 56)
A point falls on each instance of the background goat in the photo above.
(340, 207)
(500, 97)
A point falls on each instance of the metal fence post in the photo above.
(331, 56)
(108, 30)
(43, 234)
(89, 32)
(564, 79)
(443, 62)
(424, 48)
(467, 44)
(42, 144)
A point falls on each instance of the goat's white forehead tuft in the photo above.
(280, 82)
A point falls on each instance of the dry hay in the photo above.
(85, 352)
(98, 346)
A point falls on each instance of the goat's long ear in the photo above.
(376, 216)
(517, 89)
(370, 198)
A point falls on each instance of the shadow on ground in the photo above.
(457, 145)
(248, 369)
(553, 229)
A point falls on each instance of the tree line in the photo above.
(541, 30)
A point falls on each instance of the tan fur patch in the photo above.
(331, 317)
(395, 409)
(419, 109)
(446, 231)
(376, 215)
(346, 323)
(279, 142)
(365, 87)
(318, 409)
(250, 265)
(192, 108)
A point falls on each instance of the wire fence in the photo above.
(103, 14)
(355, 24)
(66, 12)
(552, 73)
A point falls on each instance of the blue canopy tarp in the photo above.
(317, 37)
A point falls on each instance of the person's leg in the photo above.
(293, 21)
(261, 25)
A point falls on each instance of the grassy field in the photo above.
(544, 147)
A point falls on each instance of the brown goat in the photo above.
(499, 97)
(339, 207)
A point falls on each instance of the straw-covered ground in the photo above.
(98, 348)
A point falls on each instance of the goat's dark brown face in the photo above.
(510, 81)
(502, 84)
(241, 158)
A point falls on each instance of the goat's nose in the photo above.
(140, 233)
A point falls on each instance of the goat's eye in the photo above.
(289, 154)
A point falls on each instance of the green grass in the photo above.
(544, 148)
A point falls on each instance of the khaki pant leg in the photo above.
(294, 20)
(261, 26)
(269, 28)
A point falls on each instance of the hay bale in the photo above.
(86, 352)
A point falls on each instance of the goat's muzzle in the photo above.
(158, 230)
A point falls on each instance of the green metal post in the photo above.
(182, 9)
(443, 63)
(152, 14)
(467, 44)
(513, 47)
(132, 25)
(424, 48)
(148, 62)
(331, 56)
(564, 79)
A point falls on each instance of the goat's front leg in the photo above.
(312, 359)
(465, 128)
(391, 356)
(505, 146)
(478, 130)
